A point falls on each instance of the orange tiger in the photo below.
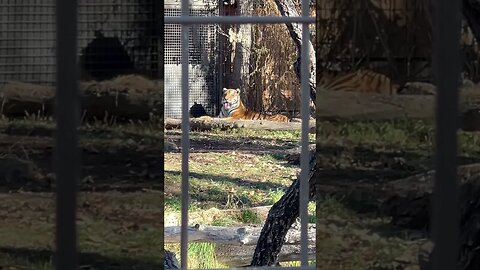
(362, 81)
(234, 109)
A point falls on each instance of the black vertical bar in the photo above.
(159, 22)
(446, 52)
(67, 161)
(305, 153)
(185, 6)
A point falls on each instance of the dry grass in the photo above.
(274, 86)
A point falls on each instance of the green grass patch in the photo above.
(333, 206)
(249, 217)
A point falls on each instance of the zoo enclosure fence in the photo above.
(204, 59)
(115, 37)
(446, 48)
(187, 21)
(393, 37)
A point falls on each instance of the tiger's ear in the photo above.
(225, 89)
(238, 90)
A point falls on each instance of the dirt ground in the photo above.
(120, 207)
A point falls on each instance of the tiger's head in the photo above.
(231, 99)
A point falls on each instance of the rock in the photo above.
(418, 88)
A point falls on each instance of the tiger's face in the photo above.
(231, 98)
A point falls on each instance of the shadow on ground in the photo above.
(89, 261)
(233, 180)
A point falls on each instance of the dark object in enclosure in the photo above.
(470, 120)
(197, 110)
(105, 58)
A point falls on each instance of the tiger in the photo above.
(234, 109)
(362, 81)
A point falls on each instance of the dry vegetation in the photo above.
(273, 84)
(119, 210)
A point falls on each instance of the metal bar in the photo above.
(185, 141)
(305, 154)
(67, 156)
(265, 267)
(184, 19)
(446, 52)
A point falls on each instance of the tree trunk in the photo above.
(287, 9)
(243, 46)
(471, 12)
(280, 218)
(170, 261)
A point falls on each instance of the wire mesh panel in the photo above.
(393, 37)
(47, 42)
(27, 40)
(203, 60)
(118, 37)
(115, 37)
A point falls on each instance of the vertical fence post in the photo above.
(66, 155)
(446, 52)
(305, 153)
(185, 139)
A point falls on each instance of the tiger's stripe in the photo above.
(234, 109)
(361, 81)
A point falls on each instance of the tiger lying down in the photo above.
(360, 81)
(234, 109)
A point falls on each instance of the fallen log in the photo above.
(129, 97)
(205, 125)
(174, 219)
(246, 235)
(349, 106)
(19, 99)
(240, 256)
(126, 97)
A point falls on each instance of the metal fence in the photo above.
(114, 37)
(446, 57)
(393, 37)
(203, 59)
(143, 49)
(187, 23)
(27, 39)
